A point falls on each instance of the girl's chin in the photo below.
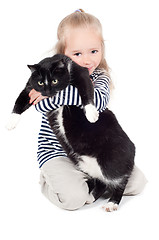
(90, 70)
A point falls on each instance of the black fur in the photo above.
(52, 69)
(103, 140)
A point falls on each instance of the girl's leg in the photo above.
(64, 185)
(136, 183)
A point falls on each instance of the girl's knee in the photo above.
(69, 197)
(68, 201)
(136, 182)
(64, 185)
(72, 201)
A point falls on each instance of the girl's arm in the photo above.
(70, 96)
(35, 97)
(101, 92)
(48, 145)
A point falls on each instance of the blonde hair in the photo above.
(80, 19)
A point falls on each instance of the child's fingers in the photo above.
(34, 95)
(38, 99)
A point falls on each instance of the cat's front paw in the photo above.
(91, 113)
(13, 121)
(110, 207)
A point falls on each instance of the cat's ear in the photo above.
(61, 64)
(33, 68)
(69, 65)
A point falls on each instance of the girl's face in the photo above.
(84, 47)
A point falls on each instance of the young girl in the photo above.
(80, 38)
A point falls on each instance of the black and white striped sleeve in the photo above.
(70, 96)
(101, 92)
(48, 145)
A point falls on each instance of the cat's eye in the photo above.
(55, 81)
(40, 83)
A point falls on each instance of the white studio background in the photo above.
(28, 32)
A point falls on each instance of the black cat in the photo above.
(98, 147)
(50, 76)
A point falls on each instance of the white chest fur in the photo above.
(60, 120)
(90, 166)
(60, 123)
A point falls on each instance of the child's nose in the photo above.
(86, 60)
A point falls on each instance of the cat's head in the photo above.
(51, 75)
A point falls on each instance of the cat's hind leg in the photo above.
(97, 188)
(117, 193)
(113, 203)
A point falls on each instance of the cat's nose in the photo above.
(48, 92)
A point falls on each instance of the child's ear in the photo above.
(33, 68)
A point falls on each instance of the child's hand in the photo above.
(35, 97)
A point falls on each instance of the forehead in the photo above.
(82, 38)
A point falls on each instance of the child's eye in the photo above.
(77, 54)
(94, 51)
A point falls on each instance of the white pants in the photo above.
(66, 187)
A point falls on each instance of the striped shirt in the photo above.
(48, 145)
